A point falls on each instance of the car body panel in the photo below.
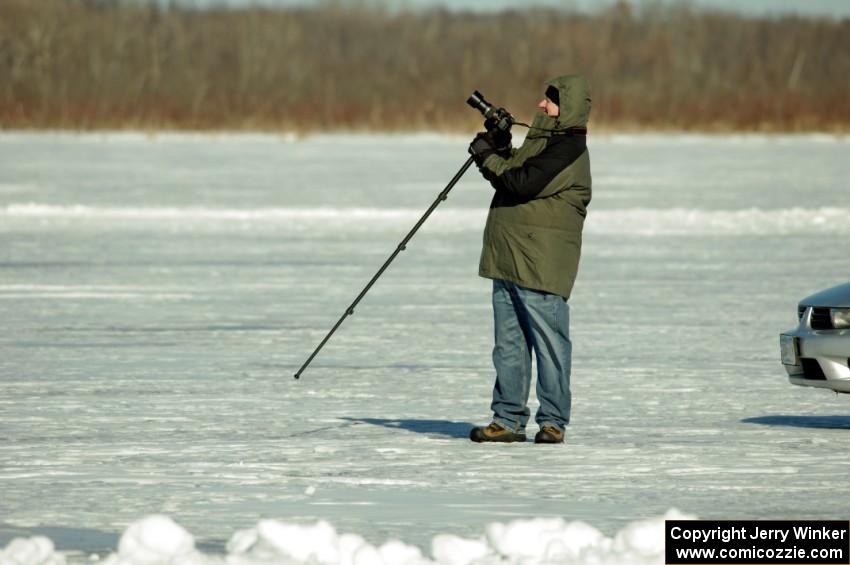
(823, 354)
(835, 297)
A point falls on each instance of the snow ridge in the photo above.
(638, 221)
(159, 540)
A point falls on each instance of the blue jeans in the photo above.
(529, 320)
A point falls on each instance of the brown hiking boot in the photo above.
(549, 434)
(494, 432)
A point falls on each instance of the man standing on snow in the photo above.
(532, 244)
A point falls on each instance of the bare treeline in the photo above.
(109, 64)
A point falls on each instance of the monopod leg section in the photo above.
(401, 247)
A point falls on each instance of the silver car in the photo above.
(817, 352)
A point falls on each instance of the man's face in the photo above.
(549, 108)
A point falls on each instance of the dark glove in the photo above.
(500, 139)
(481, 147)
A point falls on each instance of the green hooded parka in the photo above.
(534, 226)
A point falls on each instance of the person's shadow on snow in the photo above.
(829, 422)
(445, 428)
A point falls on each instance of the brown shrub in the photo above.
(104, 64)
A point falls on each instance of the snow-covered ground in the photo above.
(158, 293)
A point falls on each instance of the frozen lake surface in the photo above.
(158, 293)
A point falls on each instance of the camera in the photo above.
(494, 118)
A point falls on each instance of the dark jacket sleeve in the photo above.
(531, 177)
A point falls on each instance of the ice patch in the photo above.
(91, 292)
(637, 221)
(751, 221)
(646, 139)
(339, 216)
(158, 540)
(15, 188)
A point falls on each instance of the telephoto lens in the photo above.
(478, 102)
(494, 118)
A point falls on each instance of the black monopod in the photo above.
(496, 118)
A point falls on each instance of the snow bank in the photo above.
(36, 550)
(642, 221)
(157, 540)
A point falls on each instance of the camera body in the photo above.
(497, 119)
